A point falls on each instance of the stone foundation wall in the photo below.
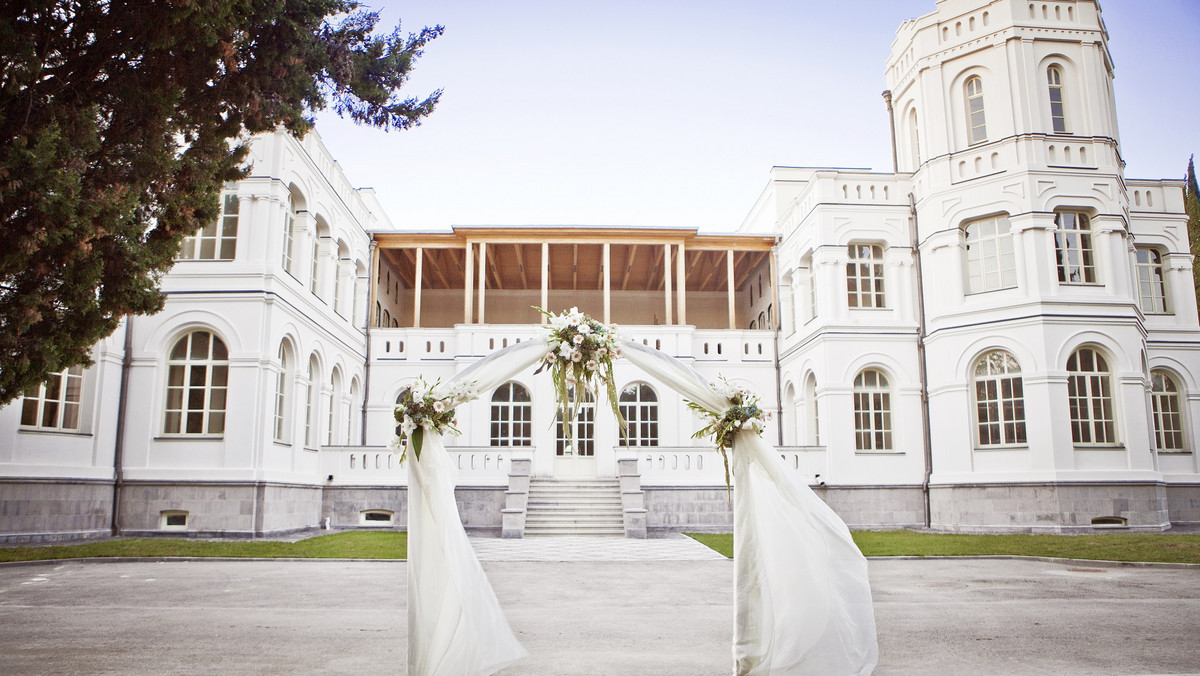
(479, 507)
(227, 510)
(1048, 508)
(876, 507)
(287, 508)
(1183, 503)
(695, 509)
(345, 504)
(33, 511)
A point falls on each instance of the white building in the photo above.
(1001, 335)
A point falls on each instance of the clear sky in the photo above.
(671, 113)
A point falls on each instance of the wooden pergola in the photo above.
(608, 260)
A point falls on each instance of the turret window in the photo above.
(1058, 116)
(1073, 248)
(991, 263)
(976, 124)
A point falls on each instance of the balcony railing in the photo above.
(698, 466)
(378, 466)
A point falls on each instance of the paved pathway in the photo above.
(673, 548)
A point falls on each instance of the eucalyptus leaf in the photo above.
(418, 435)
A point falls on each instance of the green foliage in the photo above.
(1152, 547)
(347, 545)
(119, 123)
(1191, 204)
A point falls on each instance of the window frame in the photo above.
(1082, 400)
(283, 380)
(187, 365)
(873, 431)
(516, 427)
(991, 249)
(1005, 419)
(1159, 303)
(583, 443)
(875, 279)
(1056, 93)
(1175, 415)
(641, 413)
(192, 246)
(1073, 239)
(66, 380)
(973, 94)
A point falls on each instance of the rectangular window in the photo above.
(54, 404)
(991, 264)
(1152, 288)
(217, 240)
(1073, 248)
(864, 276)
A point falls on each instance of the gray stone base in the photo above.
(876, 507)
(221, 509)
(36, 511)
(344, 505)
(1183, 502)
(705, 509)
(1048, 508)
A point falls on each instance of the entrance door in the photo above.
(576, 457)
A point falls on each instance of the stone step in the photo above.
(574, 507)
(544, 532)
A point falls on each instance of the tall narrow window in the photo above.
(639, 407)
(991, 264)
(1152, 288)
(1089, 392)
(814, 416)
(54, 404)
(512, 416)
(289, 235)
(312, 399)
(1058, 117)
(872, 412)
(314, 272)
(812, 289)
(864, 276)
(583, 442)
(999, 400)
(197, 379)
(1168, 419)
(1073, 248)
(335, 402)
(914, 137)
(976, 125)
(217, 240)
(282, 380)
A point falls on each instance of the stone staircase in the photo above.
(577, 507)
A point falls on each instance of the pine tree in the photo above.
(119, 122)
(1191, 204)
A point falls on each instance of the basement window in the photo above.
(173, 519)
(1110, 521)
(376, 517)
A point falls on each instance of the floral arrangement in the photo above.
(743, 412)
(580, 360)
(423, 407)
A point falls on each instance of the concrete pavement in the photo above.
(667, 617)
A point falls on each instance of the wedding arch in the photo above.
(801, 595)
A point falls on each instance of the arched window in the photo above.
(864, 276)
(814, 414)
(512, 416)
(639, 406)
(999, 400)
(350, 410)
(990, 263)
(197, 378)
(282, 380)
(1089, 393)
(311, 403)
(583, 442)
(1073, 248)
(400, 397)
(1168, 419)
(1152, 288)
(872, 412)
(914, 139)
(289, 234)
(976, 125)
(335, 402)
(218, 239)
(314, 272)
(1058, 117)
(54, 404)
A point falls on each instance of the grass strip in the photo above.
(347, 545)
(1142, 547)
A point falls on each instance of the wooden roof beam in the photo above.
(629, 265)
(520, 251)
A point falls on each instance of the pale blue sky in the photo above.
(657, 113)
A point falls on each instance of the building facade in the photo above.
(1001, 334)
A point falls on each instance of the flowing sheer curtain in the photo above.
(455, 624)
(801, 594)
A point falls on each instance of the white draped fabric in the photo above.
(802, 599)
(455, 624)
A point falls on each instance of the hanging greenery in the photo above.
(580, 360)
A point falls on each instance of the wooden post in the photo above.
(373, 290)
(667, 280)
(469, 285)
(607, 276)
(681, 285)
(546, 278)
(729, 283)
(774, 291)
(482, 278)
(417, 289)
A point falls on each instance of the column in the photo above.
(546, 277)
(681, 284)
(667, 279)
(729, 285)
(417, 289)
(469, 284)
(482, 278)
(373, 289)
(774, 319)
(604, 267)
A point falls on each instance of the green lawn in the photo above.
(1157, 547)
(347, 545)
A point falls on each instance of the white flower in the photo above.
(394, 445)
(576, 356)
(571, 380)
(737, 424)
(585, 329)
(407, 426)
(602, 350)
(591, 365)
(578, 339)
(438, 406)
(565, 350)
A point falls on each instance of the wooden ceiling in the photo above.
(575, 266)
